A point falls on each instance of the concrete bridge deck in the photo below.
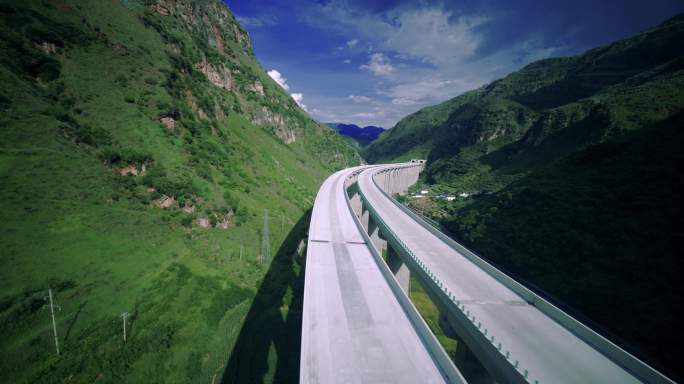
(354, 328)
(545, 350)
(360, 327)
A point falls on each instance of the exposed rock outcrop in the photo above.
(267, 118)
(218, 40)
(220, 77)
(192, 103)
(165, 202)
(132, 170)
(161, 8)
(224, 222)
(48, 47)
(202, 222)
(188, 207)
(168, 122)
(258, 88)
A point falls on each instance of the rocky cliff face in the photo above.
(212, 25)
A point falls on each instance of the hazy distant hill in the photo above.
(576, 165)
(361, 135)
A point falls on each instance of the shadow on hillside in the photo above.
(266, 335)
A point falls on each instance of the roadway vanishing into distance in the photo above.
(357, 327)
(354, 329)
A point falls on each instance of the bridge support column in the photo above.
(466, 361)
(376, 237)
(355, 201)
(399, 269)
(365, 217)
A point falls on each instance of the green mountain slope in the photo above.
(488, 137)
(601, 231)
(140, 142)
(575, 166)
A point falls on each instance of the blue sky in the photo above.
(373, 62)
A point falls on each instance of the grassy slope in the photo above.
(600, 230)
(583, 155)
(484, 139)
(71, 223)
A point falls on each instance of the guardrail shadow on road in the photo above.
(266, 338)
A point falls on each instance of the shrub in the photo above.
(125, 156)
(186, 220)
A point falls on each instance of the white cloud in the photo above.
(425, 90)
(359, 99)
(432, 34)
(298, 98)
(402, 101)
(324, 115)
(282, 81)
(258, 21)
(422, 53)
(379, 65)
(352, 43)
(365, 115)
(275, 75)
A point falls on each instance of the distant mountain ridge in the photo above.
(361, 135)
(545, 110)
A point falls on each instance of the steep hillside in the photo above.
(361, 136)
(574, 165)
(601, 231)
(140, 143)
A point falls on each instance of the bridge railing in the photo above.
(465, 311)
(433, 346)
(600, 343)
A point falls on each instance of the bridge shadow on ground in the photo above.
(268, 347)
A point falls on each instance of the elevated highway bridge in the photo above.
(359, 325)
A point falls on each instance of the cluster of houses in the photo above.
(440, 196)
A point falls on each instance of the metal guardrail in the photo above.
(623, 358)
(465, 311)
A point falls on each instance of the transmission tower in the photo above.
(265, 249)
(123, 317)
(52, 306)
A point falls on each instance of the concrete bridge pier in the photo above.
(400, 270)
(378, 240)
(364, 217)
(356, 204)
(464, 358)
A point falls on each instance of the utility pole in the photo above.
(282, 222)
(241, 250)
(123, 317)
(265, 249)
(52, 312)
